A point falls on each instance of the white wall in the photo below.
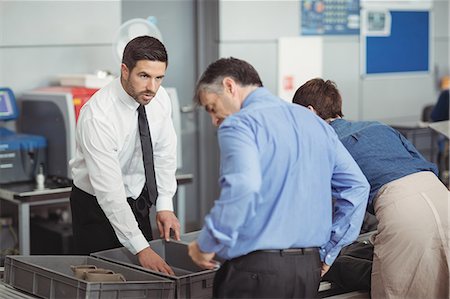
(41, 39)
(250, 30)
(441, 12)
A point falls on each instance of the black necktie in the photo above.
(147, 154)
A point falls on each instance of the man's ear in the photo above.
(312, 109)
(124, 71)
(228, 85)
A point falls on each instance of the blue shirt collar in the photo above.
(259, 94)
(339, 125)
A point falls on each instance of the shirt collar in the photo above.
(259, 94)
(339, 125)
(124, 97)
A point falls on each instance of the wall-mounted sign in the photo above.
(329, 17)
(376, 22)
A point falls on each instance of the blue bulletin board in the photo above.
(405, 49)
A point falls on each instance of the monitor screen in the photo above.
(7, 105)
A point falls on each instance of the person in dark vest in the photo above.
(411, 247)
(125, 160)
(441, 110)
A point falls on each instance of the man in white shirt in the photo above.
(110, 198)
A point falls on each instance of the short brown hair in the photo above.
(322, 95)
(144, 48)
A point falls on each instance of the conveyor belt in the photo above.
(7, 292)
(351, 295)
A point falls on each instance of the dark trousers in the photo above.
(263, 274)
(92, 230)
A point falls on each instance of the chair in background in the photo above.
(426, 113)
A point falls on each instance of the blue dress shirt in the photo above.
(382, 153)
(280, 167)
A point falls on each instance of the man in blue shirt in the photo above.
(411, 257)
(274, 221)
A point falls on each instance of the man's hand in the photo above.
(325, 269)
(202, 259)
(149, 259)
(167, 220)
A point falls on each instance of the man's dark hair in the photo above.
(322, 95)
(239, 70)
(144, 48)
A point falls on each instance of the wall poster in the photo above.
(329, 17)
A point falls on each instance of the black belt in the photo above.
(298, 251)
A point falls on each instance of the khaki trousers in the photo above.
(412, 253)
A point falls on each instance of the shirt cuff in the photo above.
(164, 203)
(136, 244)
(329, 255)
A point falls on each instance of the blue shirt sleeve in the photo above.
(350, 190)
(240, 183)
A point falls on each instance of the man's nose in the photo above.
(214, 120)
(151, 85)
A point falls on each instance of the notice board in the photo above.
(329, 17)
(406, 49)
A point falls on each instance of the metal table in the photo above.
(420, 135)
(25, 196)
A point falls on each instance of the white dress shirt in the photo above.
(108, 159)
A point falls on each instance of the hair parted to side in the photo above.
(322, 95)
(239, 70)
(144, 48)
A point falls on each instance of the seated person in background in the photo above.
(411, 257)
(441, 109)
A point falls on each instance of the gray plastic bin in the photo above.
(51, 277)
(190, 280)
(192, 236)
(189, 237)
